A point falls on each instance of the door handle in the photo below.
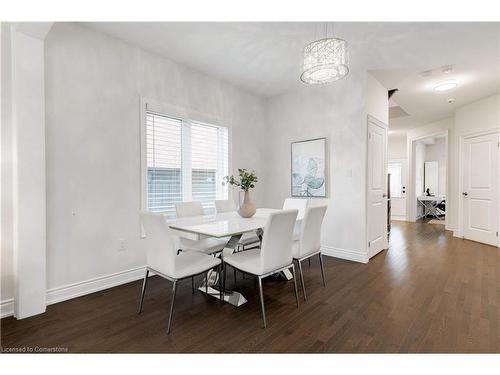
(465, 193)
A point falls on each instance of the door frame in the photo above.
(463, 137)
(384, 126)
(411, 199)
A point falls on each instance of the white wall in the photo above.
(475, 117)
(94, 85)
(338, 112)
(396, 148)
(377, 102)
(419, 168)
(436, 127)
(23, 157)
(7, 246)
(437, 152)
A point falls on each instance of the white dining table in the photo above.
(224, 225)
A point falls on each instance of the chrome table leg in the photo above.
(209, 286)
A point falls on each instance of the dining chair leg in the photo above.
(174, 291)
(144, 283)
(221, 287)
(206, 282)
(295, 285)
(262, 302)
(302, 280)
(192, 284)
(309, 260)
(224, 267)
(235, 279)
(322, 269)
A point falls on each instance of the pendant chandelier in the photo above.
(325, 60)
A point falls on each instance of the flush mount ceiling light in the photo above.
(449, 84)
(325, 60)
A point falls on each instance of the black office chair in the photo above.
(441, 208)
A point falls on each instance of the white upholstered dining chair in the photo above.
(163, 260)
(309, 242)
(275, 254)
(188, 209)
(299, 204)
(224, 205)
(205, 245)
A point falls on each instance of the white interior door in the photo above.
(397, 169)
(480, 188)
(377, 187)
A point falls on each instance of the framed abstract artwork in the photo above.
(308, 175)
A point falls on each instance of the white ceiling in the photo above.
(423, 104)
(265, 58)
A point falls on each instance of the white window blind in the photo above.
(186, 161)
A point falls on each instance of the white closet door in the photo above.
(480, 188)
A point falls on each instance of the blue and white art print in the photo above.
(309, 168)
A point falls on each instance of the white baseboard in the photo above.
(398, 217)
(66, 292)
(355, 256)
(7, 308)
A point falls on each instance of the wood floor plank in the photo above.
(429, 292)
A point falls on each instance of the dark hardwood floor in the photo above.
(429, 292)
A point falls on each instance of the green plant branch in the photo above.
(246, 181)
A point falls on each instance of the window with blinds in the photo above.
(186, 161)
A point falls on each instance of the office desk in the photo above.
(430, 204)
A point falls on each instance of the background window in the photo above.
(186, 161)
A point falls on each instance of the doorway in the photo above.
(396, 169)
(428, 183)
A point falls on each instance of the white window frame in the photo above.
(182, 114)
